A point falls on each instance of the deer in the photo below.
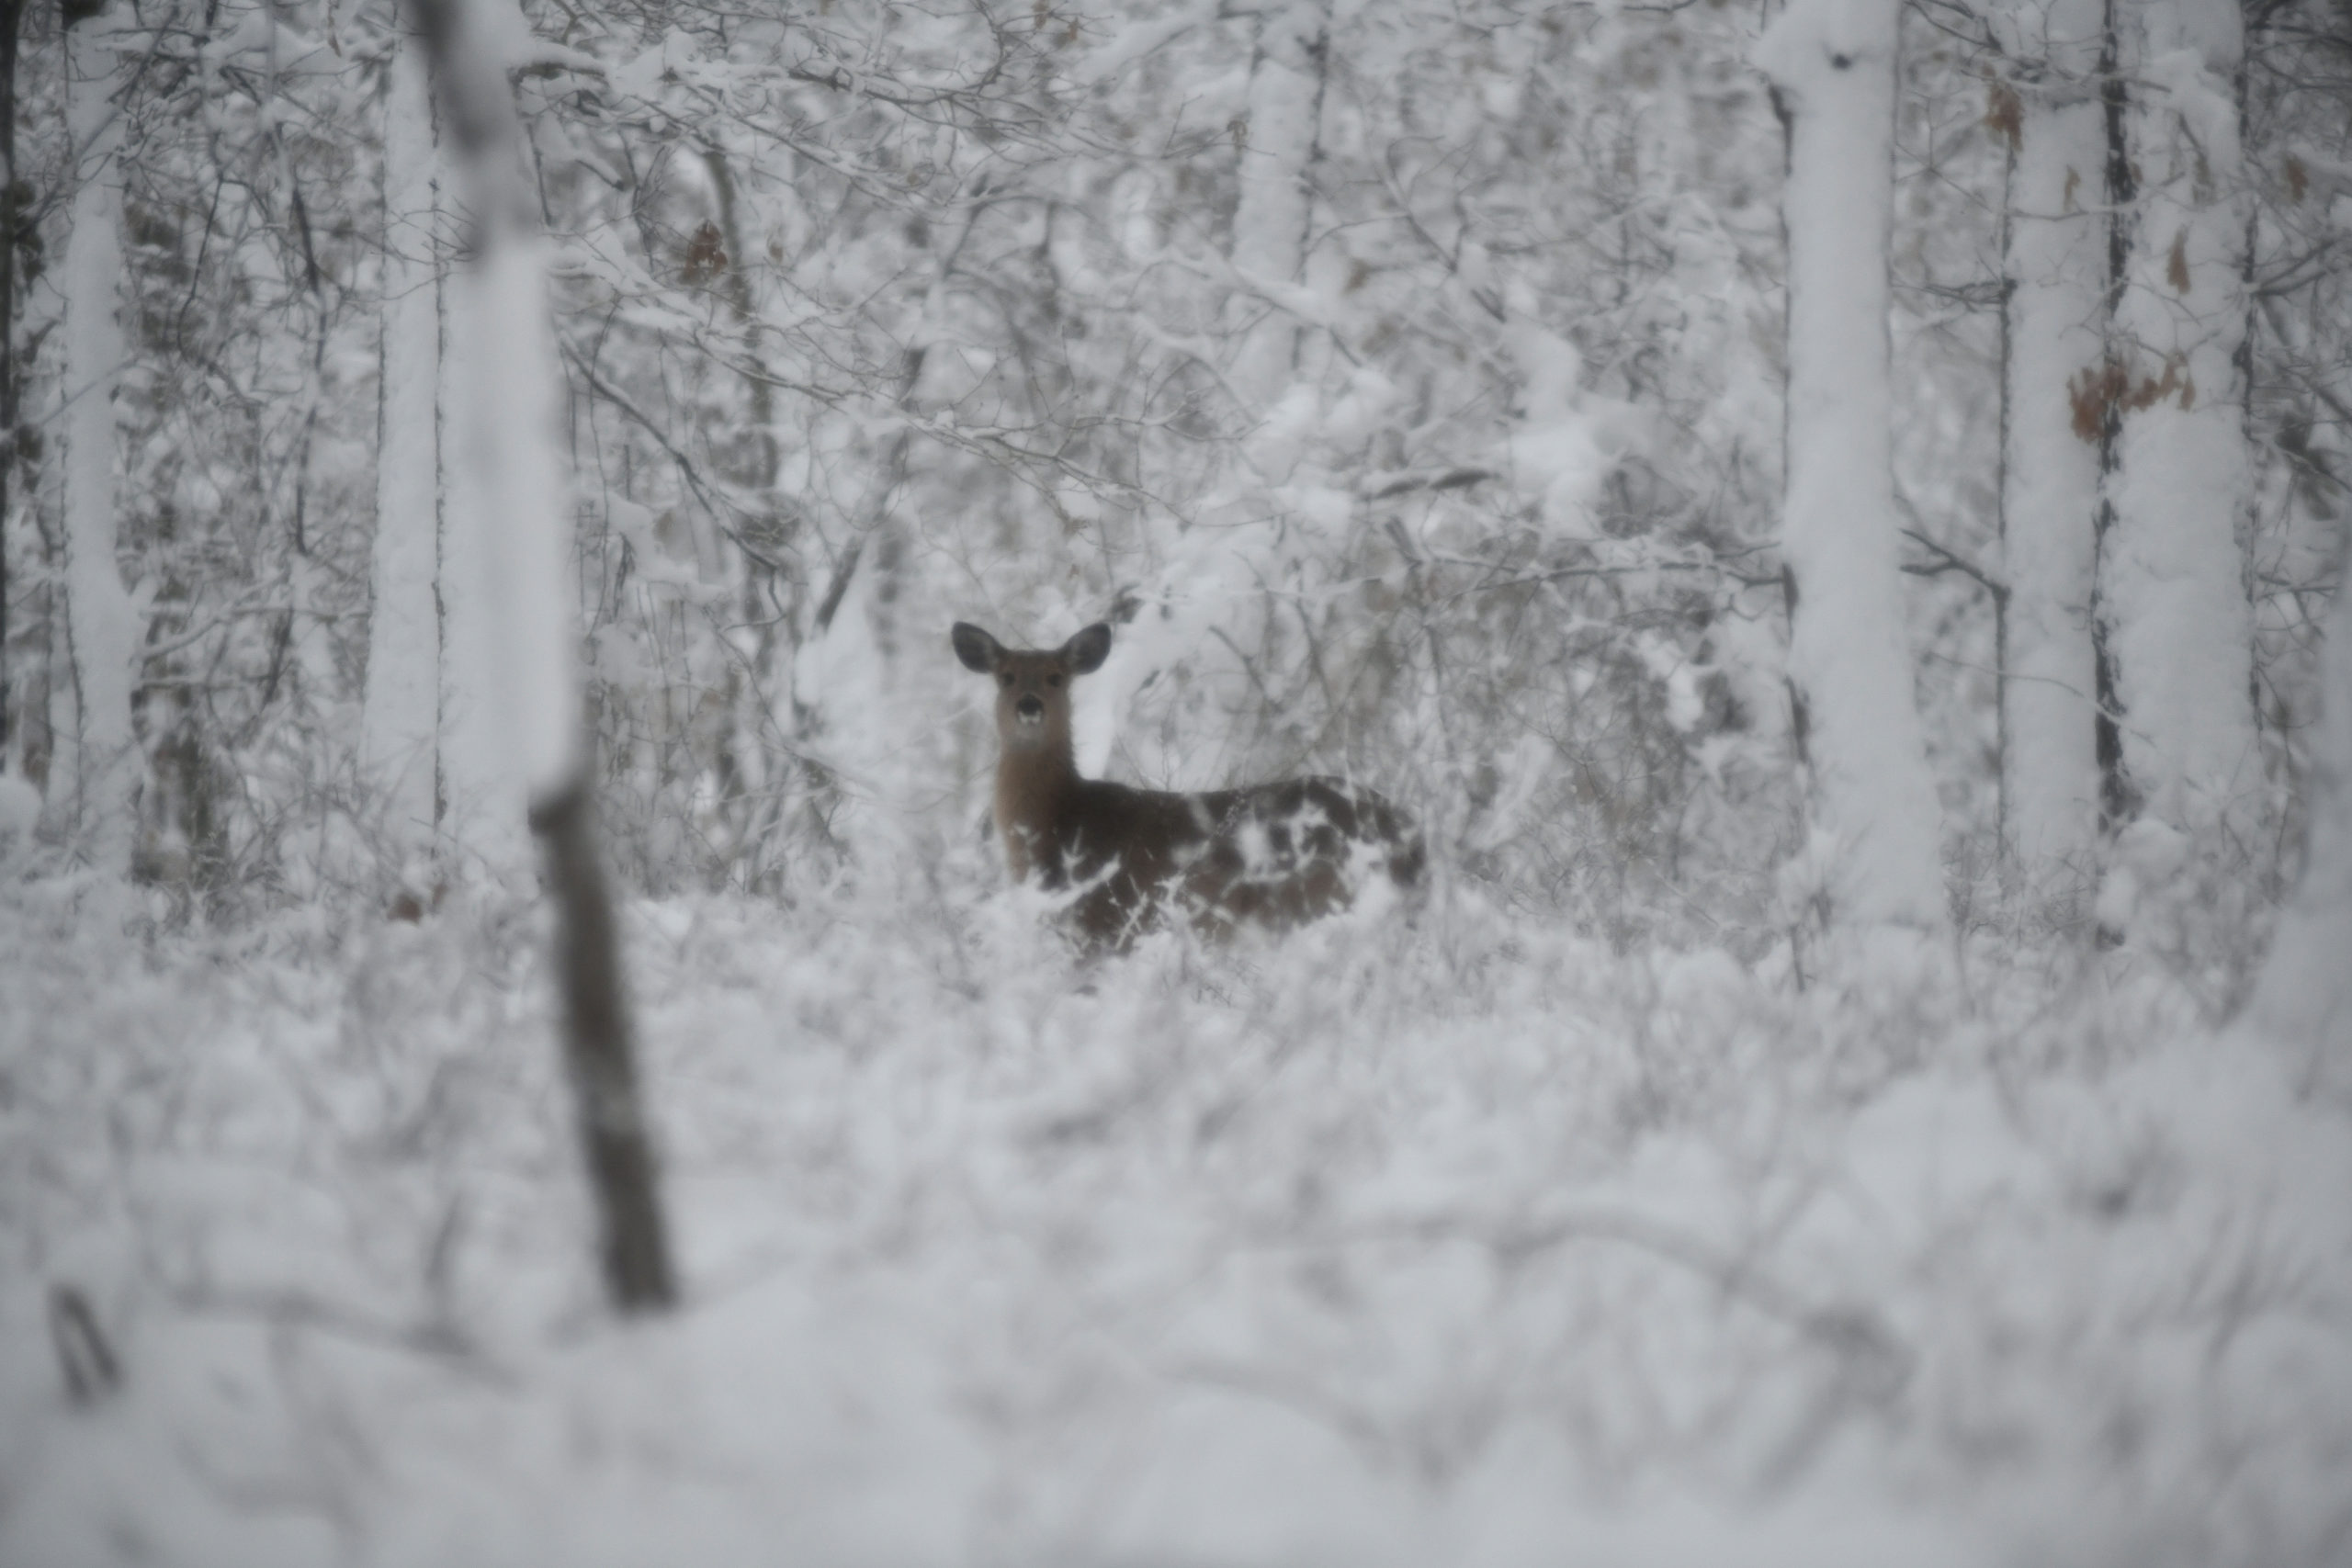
(1270, 855)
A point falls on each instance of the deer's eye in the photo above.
(1004, 678)
(1054, 681)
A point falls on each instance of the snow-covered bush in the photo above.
(1467, 1240)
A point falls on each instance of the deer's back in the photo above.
(1276, 854)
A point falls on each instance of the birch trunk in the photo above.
(1873, 799)
(2054, 344)
(518, 509)
(400, 722)
(101, 621)
(2175, 620)
(483, 807)
(1270, 222)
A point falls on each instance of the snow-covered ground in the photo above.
(1461, 1241)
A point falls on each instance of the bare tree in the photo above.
(1277, 151)
(2053, 350)
(11, 15)
(101, 620)
(519, 517)
(399, 742)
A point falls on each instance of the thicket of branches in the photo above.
(876, 316)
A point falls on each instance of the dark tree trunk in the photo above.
(2116, 804)
(599, 1051)
(9, 207)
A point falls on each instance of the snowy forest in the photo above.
(533, 1030)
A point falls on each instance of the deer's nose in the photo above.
(1030, 708)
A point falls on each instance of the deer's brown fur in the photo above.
(1273, 854)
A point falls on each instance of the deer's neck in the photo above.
(1031, 787)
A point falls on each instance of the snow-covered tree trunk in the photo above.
(315, 684)
(483, 805)
(517, 511)
(401, 726)
(2176, 624)
(1873, 799)
(2055, 346)
(100, 618)
(11, 14)
(2303, 995)
(1270, 221)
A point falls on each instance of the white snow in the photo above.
(1563, 450)
(1459, 1241)
(1576, 1210)
(1136, 40)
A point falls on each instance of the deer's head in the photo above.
(1031, 684)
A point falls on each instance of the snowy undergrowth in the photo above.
(1457, 1242)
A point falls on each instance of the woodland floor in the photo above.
(1462, 1241)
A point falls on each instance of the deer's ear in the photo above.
(1085, 652)
(978, 650)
